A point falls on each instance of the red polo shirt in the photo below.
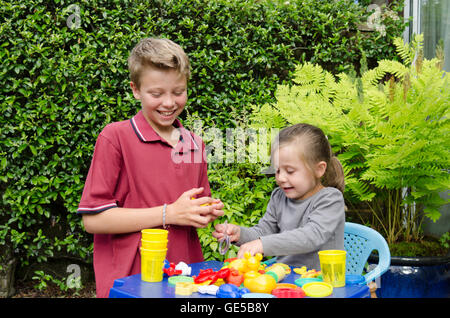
(133, 167)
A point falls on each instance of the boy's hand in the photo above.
(233, 231)
(193, 212)
(252, 247)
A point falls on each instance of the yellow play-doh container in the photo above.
(154, 234)
(152, 263)
(332, 263)
(154, 245)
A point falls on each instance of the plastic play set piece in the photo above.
(286, 285)
(305, 273)
(318, 289)
(185, 288)
(178, 279)
(209, 277)
(302, 281)
(235, 278)
(288, 292)
(171, 270)
(248, 278)
(231, 291)
(257, 295)
(208, 289)
(352, 279)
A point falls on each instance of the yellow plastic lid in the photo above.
(317, 289)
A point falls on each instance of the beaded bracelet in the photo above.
(164, 215)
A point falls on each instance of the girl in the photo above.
(305, 213)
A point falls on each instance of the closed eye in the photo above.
(155, 94)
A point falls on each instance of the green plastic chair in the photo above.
(359, 242)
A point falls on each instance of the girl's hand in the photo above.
(193, 212)
(233, 231)
(252, 247)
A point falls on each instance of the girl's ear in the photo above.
(321, 167)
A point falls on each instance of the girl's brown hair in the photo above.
(315, 148)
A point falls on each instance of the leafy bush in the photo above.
(63, 77)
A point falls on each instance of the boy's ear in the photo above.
(135, 89)
(321, 167)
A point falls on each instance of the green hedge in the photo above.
(61, 83)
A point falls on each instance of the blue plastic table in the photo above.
(134, 287)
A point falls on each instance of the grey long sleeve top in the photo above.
(295, 230)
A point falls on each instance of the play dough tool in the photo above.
(317, 289)
(223, 249)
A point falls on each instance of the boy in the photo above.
(145, 171)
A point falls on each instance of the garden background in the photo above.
(63, 77)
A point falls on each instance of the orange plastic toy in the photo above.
(235, 278)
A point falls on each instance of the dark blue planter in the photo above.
(421, 277)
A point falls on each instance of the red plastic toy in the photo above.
(288, 292)
(170, 271)
(209, 274)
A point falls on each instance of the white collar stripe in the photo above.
(137, 129)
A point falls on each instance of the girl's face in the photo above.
(163, 95)
(293, 176)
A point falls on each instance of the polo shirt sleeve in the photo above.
(101, 181)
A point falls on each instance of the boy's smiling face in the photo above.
(163, 95)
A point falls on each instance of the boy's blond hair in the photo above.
(159, 53)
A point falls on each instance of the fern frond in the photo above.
(407, 51)
(404, 51)
(417, 44)
(311, 77)
(266, 116)
(358, 189)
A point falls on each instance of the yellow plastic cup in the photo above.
(154, 245)
(152, 263)
(332, 263)
(154, 234)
